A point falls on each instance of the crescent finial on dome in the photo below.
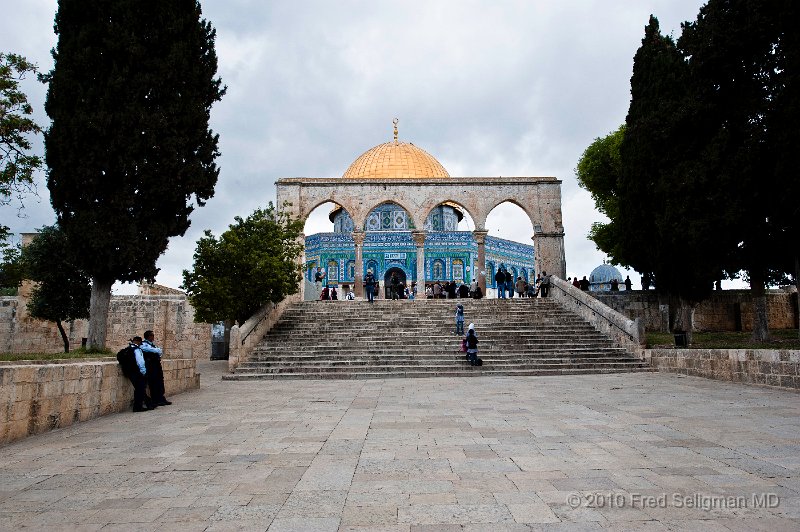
(395, 121)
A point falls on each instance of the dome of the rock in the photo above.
(395, 160)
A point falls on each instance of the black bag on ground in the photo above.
(479, 362)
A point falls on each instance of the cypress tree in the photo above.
(670, 225)
(129, 150)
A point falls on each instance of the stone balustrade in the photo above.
(624, 331)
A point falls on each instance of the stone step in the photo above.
(468, 371)
(346, 339)
(526, 356)
(428, 365)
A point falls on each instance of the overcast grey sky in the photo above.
(487, 87)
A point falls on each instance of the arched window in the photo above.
(311, 270)
(438, 270)
(514, 274)
(490, 275)
(524, 274)
(372, 265)
(351, 270)
(333, 271)
(458, 270)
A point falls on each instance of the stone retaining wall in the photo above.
(36, 397)
(725, 310)
(170, 316)
(780, 368)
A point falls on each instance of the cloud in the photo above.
(488, 88)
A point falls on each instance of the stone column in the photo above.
(358, 240)
(302, 261)
(419, 240)
(548, 250)
(480, 274)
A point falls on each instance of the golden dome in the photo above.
(395, 160)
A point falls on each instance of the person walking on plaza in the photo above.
(584, 284)
(369, 283)
(500, 279)
(545, 290)
(437, 290)
(459, 319)
(155, 373)
(472, 345)
(131, 360)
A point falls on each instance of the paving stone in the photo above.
(486, 453)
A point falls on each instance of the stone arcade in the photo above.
(398, 210)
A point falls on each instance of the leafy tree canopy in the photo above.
(252, 263)
(17, 166)
(62, 290)
(10, 269)
(599, 171)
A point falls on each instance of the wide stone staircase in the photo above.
(356, 340)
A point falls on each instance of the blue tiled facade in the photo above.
(449, 254)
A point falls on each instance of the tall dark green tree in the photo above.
(744, 68)
(62, 290)
(253, 263)
(129, 150)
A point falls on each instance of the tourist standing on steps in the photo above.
(319, 277)
(334, 295)
(510, 284)
(584, 284)
(500, 279)
(614, 285)
(437, 290)
(576, 283)
(463, 291)
(369, 283)
(472, 345)
(629, 284)
(473, 286)
(545, 290)
(459, 319)
(155, 373)
(520, 287)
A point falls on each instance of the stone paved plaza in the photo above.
(622, 452)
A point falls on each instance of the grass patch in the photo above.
(75, 353)
(780, 339)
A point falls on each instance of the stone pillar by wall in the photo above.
(419, 240)
(548, 249)
(358, 239)
(480, 238)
